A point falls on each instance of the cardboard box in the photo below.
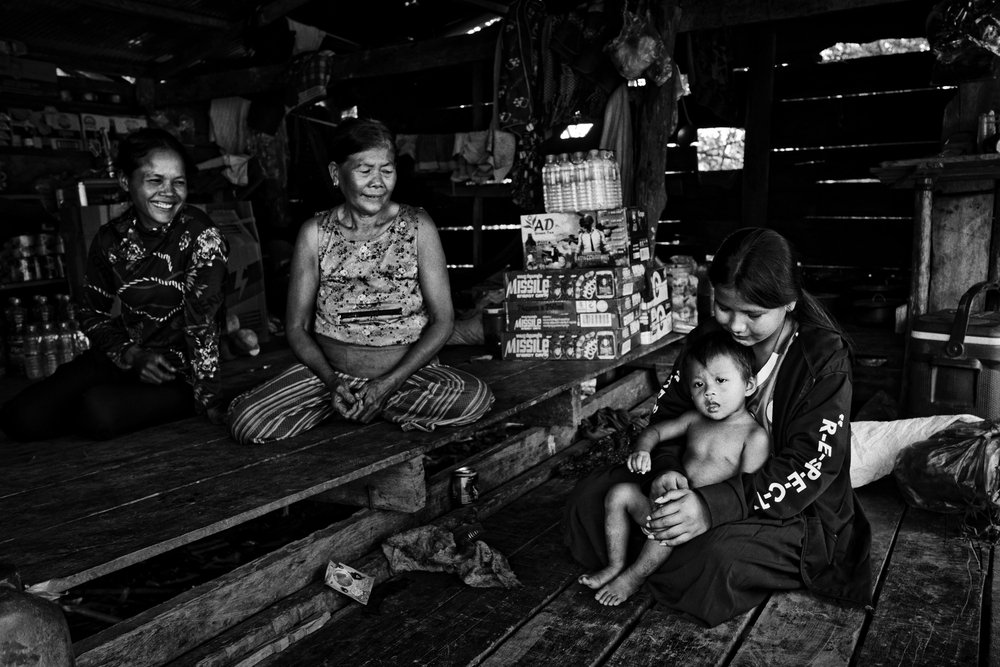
(245, 282)
(683, 295)
(128, 124)
(655, 322)
(570, 346)
(92, 124)
(639, 251)
(550, 240)
(600, 283)
(567, 321)
(63, 125)
(571, 315)
(638, 227)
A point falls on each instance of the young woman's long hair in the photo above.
(762, 266)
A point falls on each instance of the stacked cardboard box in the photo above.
(655, 317)
(572, 313)
(587, 239)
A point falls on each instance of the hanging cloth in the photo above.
(516, 66)
(617, 134)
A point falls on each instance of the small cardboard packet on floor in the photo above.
(348, 581)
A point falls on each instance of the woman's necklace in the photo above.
(347, 222)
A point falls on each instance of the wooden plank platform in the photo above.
(86, 509)
(931, 608)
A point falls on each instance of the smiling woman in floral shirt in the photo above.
(157, 358)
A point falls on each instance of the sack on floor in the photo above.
(954, 470)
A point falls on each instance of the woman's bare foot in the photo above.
(620, 589)
(597, 579)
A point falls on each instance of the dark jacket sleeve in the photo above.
(811, 437)
(205, 281)
(104, 332)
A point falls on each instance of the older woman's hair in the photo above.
(135, 147)
(763, 268)
(355, 135)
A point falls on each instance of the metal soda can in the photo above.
(463, 486)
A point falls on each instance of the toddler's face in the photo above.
(717, 388)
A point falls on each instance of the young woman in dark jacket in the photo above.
(795, 522)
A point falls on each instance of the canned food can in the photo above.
(463, 486)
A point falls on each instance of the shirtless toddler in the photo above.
(723, 440)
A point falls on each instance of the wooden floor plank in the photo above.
(197, 615)
(435, 612)
(574, 629)
(799, 627)
(664, 637)
(930, 605)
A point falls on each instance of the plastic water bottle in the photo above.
(580, 198)
(15, 316)
(595, 180)
(50, 348)
(614, 180)
(550, 177)
(65, 308)
(66, 346)
(44, 312)
(33, 352)
(565, 183)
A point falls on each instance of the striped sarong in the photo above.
(297, 400)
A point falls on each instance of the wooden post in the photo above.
(757, 149)
(993, 260)
(920, 280)
(478, 123)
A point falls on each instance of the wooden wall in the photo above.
(830, 124)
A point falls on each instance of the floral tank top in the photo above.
(369, 292)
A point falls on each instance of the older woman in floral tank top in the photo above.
(369, 307)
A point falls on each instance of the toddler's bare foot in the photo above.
(620, 589)
(597, 579)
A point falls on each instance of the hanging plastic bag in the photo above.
(954, 470)
(637, 46)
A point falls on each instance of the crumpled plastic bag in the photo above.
(957, 29)
(433, 549)
(638, 47)
(875, 445)
(954, 470)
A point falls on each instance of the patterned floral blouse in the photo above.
(171, 285)
(369, 291)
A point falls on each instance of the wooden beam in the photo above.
(157, 11)
(709, 14)
(400, 488)
(275, 10)
(95, 60)
(386, 61)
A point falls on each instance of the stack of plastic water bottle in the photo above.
(581, 182)
(40, 339)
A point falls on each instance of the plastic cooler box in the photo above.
(954, 364)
